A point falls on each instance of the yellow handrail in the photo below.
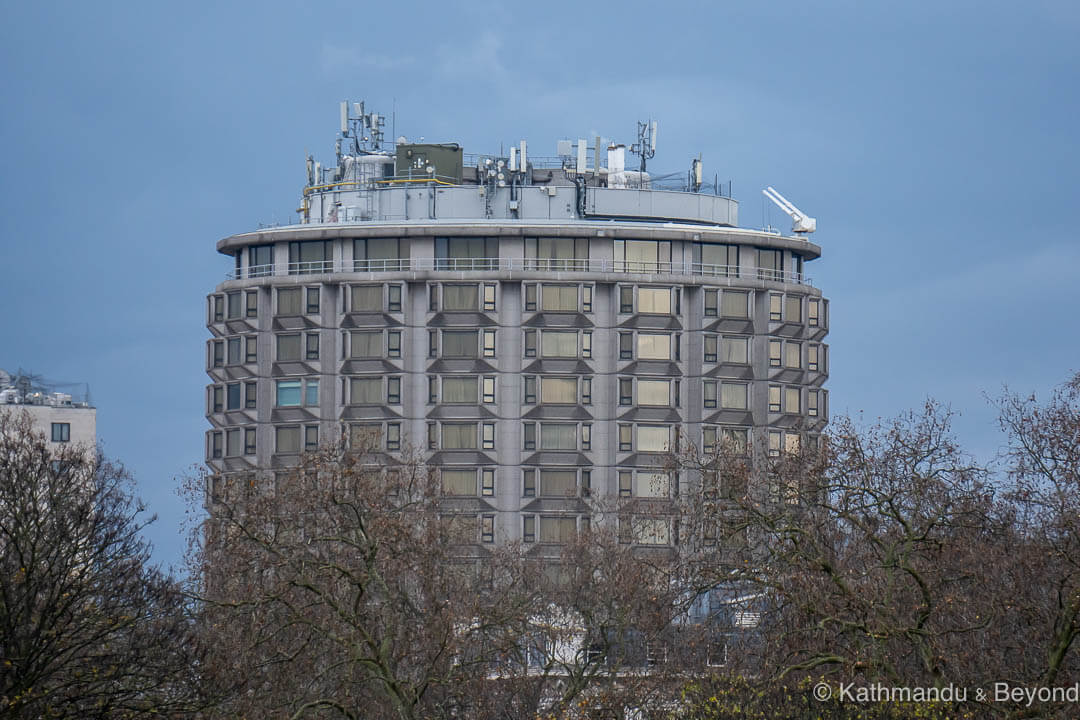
(344, 183)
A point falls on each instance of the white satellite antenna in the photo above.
(800, 223)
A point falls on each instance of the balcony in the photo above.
(717, 274)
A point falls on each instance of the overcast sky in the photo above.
(935, 142)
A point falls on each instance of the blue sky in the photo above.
(936, 143)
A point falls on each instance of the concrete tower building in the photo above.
(542, 329)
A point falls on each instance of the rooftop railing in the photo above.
(517, 264)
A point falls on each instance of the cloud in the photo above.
(336, 58)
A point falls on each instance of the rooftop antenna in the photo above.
(800, 222)
(646, 142)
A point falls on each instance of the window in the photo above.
(433, 298)
(774, 398)
(487, 436)
(260, 260)
(586, 298)
(217, 399)
(365, 391)
(466, 253)
(812, 403)
(459, 482)
(642, 256)
(251, 299)
(586, 436)
(813, 312)
(433, 390)
(734, 304)
(460, 297)
(727, 440)
(459, 436)
(233, 396)
(393, 391)
(558, 343)
(586, 343)
(489, 297)
(792, 400)
(626, 438)
(710, 393)
(311, 346)
(250, 395)
(488, 395)
(311, 301)
(312, 256)
(626, 299)
(288, 301)
(654, 346)
(558, 391)
(655, 301)
(550, 253)
(558, 483)
(626, 346)
(776, 308)
(626, 483)
(365, 298)
(393, 298)
(487, 528)
(249, 441)
(710, 342)
(652, 484)
(712, 303)
(530, 297)
(234, 350)
(733, 396)
(251, 349)
(393, 343)
(377, 255)
(459, 390)
(793, 355)
(365, 437)
(586, 391)
(393, 436)
(558, 436)
(61, 432)
(626, 391)
(557, 529)
(287, 439)
(529, 384)
(793, 309)
(487, 482)
(770, 264)
(717, 260)
(654, 438)
(812, 357)
(218, 353)
(489, 343)
(288, 347)
(650, 531)
(528, 482)
(365, 344)
(736, 350)
(459, 343)
(654, 392)
(233, 300)
(311, 438)
(232, 443)
(528, 528)
(432, 435)
(294, 393)
(775, 347)
(215, 444)
(560, 298)
(217, 305)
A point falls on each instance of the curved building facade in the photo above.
(543, 331)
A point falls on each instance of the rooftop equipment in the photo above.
(800, 222)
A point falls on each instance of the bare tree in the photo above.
(87, 628)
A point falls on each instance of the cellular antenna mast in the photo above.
(646, 143)
(800, 222)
